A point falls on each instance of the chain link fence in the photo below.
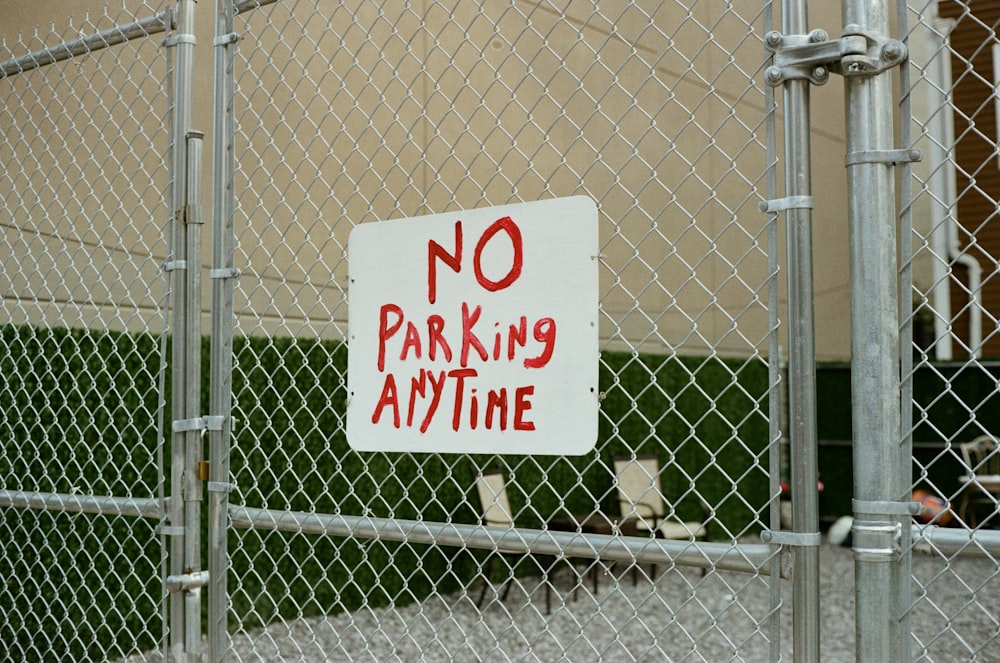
(82, 327)
(359, 112)
(951, 374)
(329, 115)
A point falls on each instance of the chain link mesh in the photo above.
(953, 379)
(356, 112)
(349, 113)
(80, 355)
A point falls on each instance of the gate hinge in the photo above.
(812, 57)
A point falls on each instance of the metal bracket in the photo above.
(171, 265)
(187, 581)
(806, 539)
(226, 39)
(224, 273)
(812, 57)
(198, 423)
(881, 55)
(891, 157)
(179, 39)
(782, 204)
(885, 508)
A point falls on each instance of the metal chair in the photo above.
(492, 489)
(641, 499)
(981, 483)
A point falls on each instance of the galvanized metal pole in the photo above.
(223, 275)
(193, 443)
(875, 379)
(184, 627)
(801, 352)
(776, 383)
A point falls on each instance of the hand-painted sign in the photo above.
(475, 331)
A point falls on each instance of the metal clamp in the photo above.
(804, 539)
(885, 508)
(213, 423)
(225, 273)
(891, 157)
(171, 265)
(782, 204)
(182, 38)
(220, 487)
(881, 53)
(187, 581)
(801, 57)
(812, 57)
(226, 39)
(170, 530)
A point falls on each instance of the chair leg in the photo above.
(486, 580)
(548, 592)
(506, 590)
(963, 507)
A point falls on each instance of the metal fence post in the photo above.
(801, 349)
(221, 384)
(185, 508)
(875, 378)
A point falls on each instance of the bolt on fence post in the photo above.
(875, 379)
(221, 369)
(801, 352)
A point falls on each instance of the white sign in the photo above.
(476, 331)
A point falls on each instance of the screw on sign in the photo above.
(470, 331)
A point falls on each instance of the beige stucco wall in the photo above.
(352, 114)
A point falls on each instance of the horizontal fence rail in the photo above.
(145, 27)
(96, 504)
(749, 558)
(334, 115)
(934, 540)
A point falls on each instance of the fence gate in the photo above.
(94, 153)
(357, 112)
(173, 421)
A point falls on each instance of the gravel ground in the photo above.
(686, 617)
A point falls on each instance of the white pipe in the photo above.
(944, 224)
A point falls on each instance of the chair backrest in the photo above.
(639, 493)
(981, 455)
(492, 491)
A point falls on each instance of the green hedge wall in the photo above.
(77, 414)
(951, 401)
(92, 397)
(704, 418)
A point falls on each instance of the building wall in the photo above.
(668, 127)
(972, 40)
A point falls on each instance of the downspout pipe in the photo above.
(941, 183)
